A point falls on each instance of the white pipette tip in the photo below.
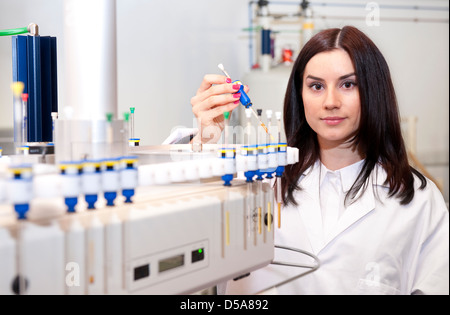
(269, 113)
(221, 67)
(278, 115)
(248, 112)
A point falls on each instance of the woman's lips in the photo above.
(333, 121)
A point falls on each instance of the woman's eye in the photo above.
(316, 86)
(348, 84)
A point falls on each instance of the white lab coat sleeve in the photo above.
(180, 135)
(432, 269)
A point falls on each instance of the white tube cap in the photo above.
(278, 115)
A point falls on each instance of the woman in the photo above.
(377, 225)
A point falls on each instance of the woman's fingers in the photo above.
(209, 80)
(207, 117)
(215, 96)
(214, 101)
(214, 93)
(215, 90)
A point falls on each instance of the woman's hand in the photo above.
(214, 97)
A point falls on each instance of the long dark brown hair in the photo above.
(379, 135)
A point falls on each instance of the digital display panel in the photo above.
(141, 272)
(197, 255)
(171, 263)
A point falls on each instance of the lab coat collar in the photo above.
(309, 206)
(347, 174)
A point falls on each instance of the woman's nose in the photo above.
(332, 99)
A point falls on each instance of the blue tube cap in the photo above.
(91, 200)
(22, 210)
(128, 193)
(227, 178)
(279, 171)
(249, 175)
(110, 197)
(71, 202)
(269, 172)
(259, 174)
(244, 99)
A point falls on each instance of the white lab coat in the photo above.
(378, 246)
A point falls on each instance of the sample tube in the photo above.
(70, 183)
(17, 88)
(91, 182)
(262, 166)
(272, 165)
(251, 159)
(126, 132)
(25, 117)
(226, 117)
(226, 150)
(54, 117)
(109, 133)
(272, 146)
(110, 179)
(262, 147)
(126, 118)
(132, 122)
(128, 177)
(20, 195)
(132, 141)
(281, 164)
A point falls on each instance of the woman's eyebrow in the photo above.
(320, 79)
(346, 76)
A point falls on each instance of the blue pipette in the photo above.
(244, 99)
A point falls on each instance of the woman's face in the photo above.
(331, 97)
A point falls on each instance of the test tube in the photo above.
(132, 142)
(128, 177)
(226, 117)
(281, 163)
(262, 166)
(54, 117)
(109, 128)
(110, 179)
(70, 183)
(132, 122)
(25, 117)
(126, 118)
(262, 147)
(91, 182)
(271, 164)
(20, 195)
(272, 161)
(252, 167)
(17, 88)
